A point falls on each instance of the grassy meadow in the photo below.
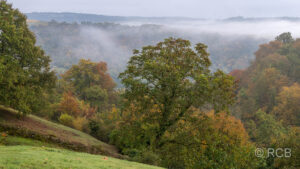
(34, 157)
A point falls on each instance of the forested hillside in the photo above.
(67, 43)
(268, 97)
(81, 17)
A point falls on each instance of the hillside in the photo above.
(40, 129)
(83, 17)
(67, 43)
(46, 158)
(33, 142)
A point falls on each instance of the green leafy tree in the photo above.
(25, 74)
(292, 141)
(173, 77)
(285, 38)
(264, 129)
(208, 140)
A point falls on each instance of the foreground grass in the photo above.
(14, 140)
(25, 157)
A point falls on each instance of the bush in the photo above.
(3, 137)
(102, 124)
(66, 119)
(148, 157)
(143, 156)
(81, 123)
(98, 130)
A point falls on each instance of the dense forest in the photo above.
(177, 107)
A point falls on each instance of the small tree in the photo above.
(285, 38)
(288, 106)
(24, 68)
(90, 82)
(173, 77)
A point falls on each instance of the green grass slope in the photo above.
(25, 157)
(14, 140)
(48, 132)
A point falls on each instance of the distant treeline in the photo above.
(83, 17)
(67, 43)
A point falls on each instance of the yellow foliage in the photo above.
(230, 125)
(288, 105)
(70, 104)
(80, 123)
(66, 119)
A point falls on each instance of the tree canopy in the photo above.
(173, 77)
(90, 82)
(24, 68)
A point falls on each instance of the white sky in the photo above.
(187, 8)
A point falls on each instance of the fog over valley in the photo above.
(231, 42)
(268, 28)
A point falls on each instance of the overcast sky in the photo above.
(187, 8)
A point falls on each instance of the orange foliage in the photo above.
(237, 74)
(106, 80)
(267, 49)
(70, 104)
(296, 44)
(87, 74)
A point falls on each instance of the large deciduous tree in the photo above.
(24, 68)
(170, 78)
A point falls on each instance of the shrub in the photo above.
(70, 104)
(148, 157)
(66, 119)
(3, 137)
(102, 124)
(98, 130)
(143, 156)
(81, 123)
